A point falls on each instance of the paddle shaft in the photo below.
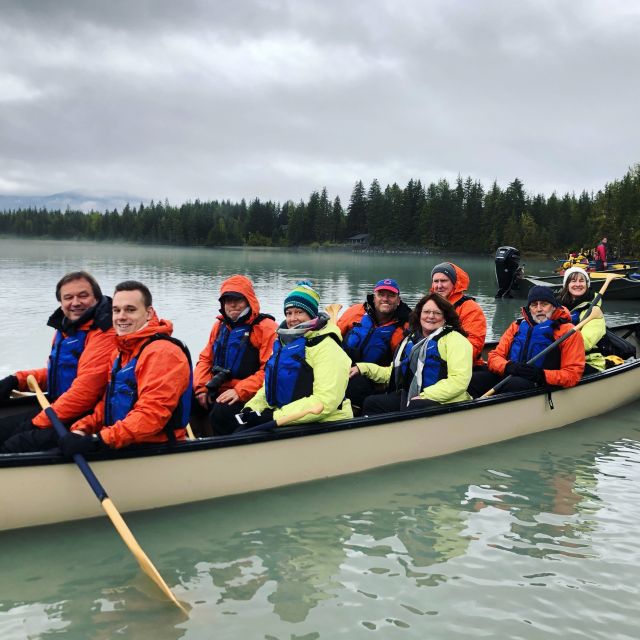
(114, 515)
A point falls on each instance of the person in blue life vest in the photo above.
(432, 365)
(308, 366)
(576, 296)
(230, 368)
(543, 321)
(148, 396)
(371, 332)
(78, 367)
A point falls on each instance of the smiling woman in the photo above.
(431, 366)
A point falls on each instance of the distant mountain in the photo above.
(75, 200)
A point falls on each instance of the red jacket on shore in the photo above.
(263, 333)
(572, 358)
(162, 375)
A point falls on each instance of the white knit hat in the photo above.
(569, 272)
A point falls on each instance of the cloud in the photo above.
(276, 99)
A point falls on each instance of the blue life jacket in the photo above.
(434, 369)
(287, 374)
(122, 392)
(233, 350)
(367, 342)
(63, 362)
(531, 340)
(401, 357)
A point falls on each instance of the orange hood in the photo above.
(241, 284)
(460, 286)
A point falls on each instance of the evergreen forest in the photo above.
(464, 216)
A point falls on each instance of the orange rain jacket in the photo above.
(356, 312)
(262, 336)
(93, 370)
(471, 314)
(572, 356)
(162, 375)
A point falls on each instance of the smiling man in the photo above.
(543, 321)
(78, 367)
(148, 396)
(371, 332)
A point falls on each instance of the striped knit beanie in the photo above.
(304, 297)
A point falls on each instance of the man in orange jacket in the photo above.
(543, 321)
(451, 282)
(78, 365)
(371, 332)
(230, 369)
(148, 397)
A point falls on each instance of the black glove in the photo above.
(529, 372)
(72, 443)
(249, 418)
(510, 368)
(7, 385)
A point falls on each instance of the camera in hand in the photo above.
(220, 376)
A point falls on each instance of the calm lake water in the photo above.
(533, 538)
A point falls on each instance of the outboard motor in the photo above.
(507, 268)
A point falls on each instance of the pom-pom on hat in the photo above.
(447, 269)
(541, 294)
(305, 297)
(569, 272)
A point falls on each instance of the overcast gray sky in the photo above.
(275, 98)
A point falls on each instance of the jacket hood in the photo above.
(460, 286)
(240, 284)
(98, 316)
(560, 314)
(132, 342)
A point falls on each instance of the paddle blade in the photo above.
(333, 310)
(145, 564)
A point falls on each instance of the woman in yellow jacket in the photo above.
(308, 367)
(576, 296)
(431, 366)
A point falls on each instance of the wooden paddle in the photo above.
(333, 310)
(110, 509)
(292, 417)
(592, 312)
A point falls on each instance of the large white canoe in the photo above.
(41, 488)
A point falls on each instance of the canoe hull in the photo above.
(49, 491)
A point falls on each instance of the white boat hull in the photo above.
(37, 494)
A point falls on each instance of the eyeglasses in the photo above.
(435, 314)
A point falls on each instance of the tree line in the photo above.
(463, 216)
